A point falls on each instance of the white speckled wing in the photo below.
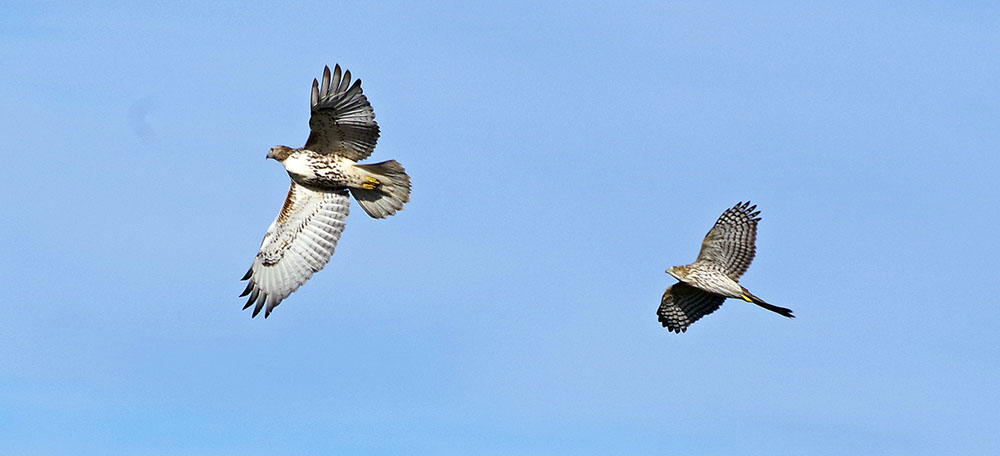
(298, 243)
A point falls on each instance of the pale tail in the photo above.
(772, 308)
(389, 195)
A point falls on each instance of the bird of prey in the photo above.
(302, 238)
(725, 255)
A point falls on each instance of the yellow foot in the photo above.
(370, 183)
(746, 298)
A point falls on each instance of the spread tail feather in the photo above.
(389, 194)
(749, 297)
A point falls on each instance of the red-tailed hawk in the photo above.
(725, 255)
(302, 238)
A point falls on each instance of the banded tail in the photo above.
(386, 190)
(749, 297)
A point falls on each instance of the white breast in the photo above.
(298, 166)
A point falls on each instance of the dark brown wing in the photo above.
(730, 243)
(342, 121)
(683, 305)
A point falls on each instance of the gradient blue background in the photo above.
(563, 155)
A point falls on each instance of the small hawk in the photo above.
(725, 255)
(302, 238)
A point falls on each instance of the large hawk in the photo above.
(725, 255)
(302, 238)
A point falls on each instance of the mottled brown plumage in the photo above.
(726, 253)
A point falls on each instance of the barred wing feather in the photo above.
(683, 305)
(730, 244)
(342, 120)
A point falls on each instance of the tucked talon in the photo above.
(370, 183)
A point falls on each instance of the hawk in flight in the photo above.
(302, 238)
(725, 255)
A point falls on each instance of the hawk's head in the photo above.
(280, 153)
(679, 272)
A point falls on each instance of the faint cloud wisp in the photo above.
(138, 113)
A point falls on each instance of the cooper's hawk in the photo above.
(725, 255)
(302, 238)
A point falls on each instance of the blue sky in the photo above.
(563, 155)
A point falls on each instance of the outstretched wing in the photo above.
(730, 243)
(683, 305)
(298, 243)
(342, 121)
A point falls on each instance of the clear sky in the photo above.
(563, 155)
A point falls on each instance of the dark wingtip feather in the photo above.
(248, 274)
(264, 298)
(253, 297)
(748, 209)
(666, 324)
(355, 86)
(260, 302)
(247, 290)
